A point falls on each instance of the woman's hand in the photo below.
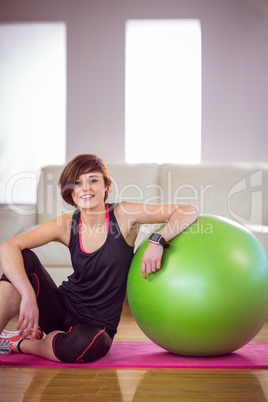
(151, 260)
(29, 316)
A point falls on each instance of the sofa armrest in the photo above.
(14, 220)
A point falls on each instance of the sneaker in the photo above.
(10, 340)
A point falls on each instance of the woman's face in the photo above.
(89, 190)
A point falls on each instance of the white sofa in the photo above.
(238, 191)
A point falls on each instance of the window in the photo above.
(163, 91)
(32, 105)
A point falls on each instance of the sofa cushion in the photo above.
(235, 191)
(49, 200)
(134, 182)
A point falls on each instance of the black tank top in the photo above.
(95, 291)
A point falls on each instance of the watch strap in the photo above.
(156, 238)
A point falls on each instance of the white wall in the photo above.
(235, 70)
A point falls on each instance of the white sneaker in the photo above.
(10, 340)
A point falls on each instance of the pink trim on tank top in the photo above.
(107, 228)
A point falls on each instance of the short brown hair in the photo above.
(81, 164)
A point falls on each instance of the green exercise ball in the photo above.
(210, 296)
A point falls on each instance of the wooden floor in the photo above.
(80, 384)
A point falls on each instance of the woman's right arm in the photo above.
(11, 262)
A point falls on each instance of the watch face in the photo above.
(155, 237)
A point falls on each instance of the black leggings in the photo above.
(81, 342)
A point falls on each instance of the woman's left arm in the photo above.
(175, 218)
(181, 217)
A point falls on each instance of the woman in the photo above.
(80, 318)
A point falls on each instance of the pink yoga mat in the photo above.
(149, 355)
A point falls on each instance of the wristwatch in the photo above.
(157, 238)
